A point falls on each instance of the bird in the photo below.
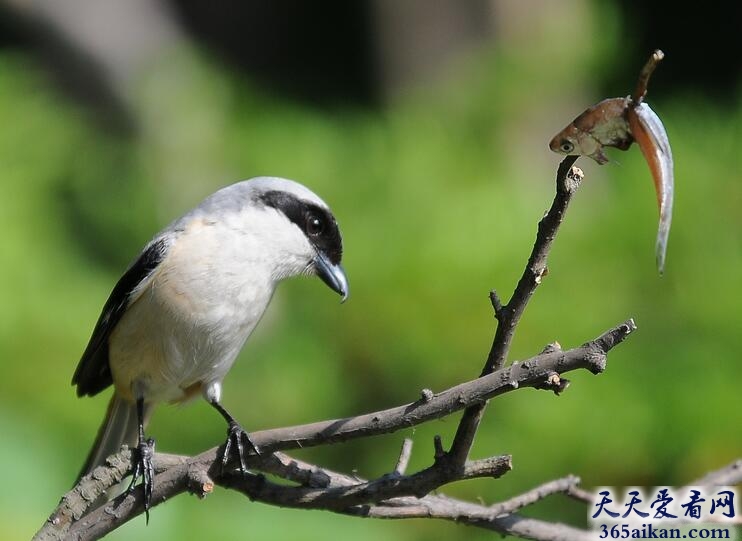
(183, 310)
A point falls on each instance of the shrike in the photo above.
(178, 317)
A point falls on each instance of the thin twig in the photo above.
(729, 475)
(567, 181)
(581, 495)
(645, 74)
(534, 495)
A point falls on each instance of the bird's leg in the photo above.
(237, 438)
(142, 459)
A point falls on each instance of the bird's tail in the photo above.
(119, 427)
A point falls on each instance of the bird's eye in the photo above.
(566, 146)
(315, 225)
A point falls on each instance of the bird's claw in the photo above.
(238, 439)
(142, 459)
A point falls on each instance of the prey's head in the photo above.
(293, 227)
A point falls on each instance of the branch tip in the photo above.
(569, 177)
(580, 494)
(495, 467)
(555, 383)
(645, 74)
(199, 482)
(729, 475)
(611, 338)
(496, 304)
(536, 494)
(426, 395)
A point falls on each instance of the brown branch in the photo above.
(534, 495)
(497, 517)
(644, 76)
(492, 517)
(394, 495)
(568, 179)
(533, 372)
(88, 489)
(334, 498)
(581, 495)
(177, 475)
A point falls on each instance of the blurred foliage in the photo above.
(438, 197)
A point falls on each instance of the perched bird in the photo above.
(176, 320)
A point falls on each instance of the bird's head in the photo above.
(290, 228)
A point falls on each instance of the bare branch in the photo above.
(534, 495)
(362, 493)
(496, 304)
(532, 372)
(85, 493)
(568, 179)
(395, 495)
(441, 507)
(431, 506)
(581, 495)
(730, 474)
(645, 74)
(446, 508)
(195, 474)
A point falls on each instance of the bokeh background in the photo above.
(425, 125)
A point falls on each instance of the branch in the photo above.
(394, 495)
(645, 74)
(339, 498)
(496, 517)
(533, 372)
(568, 179)
(177, 475)
(729, 475)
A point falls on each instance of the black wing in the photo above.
(93, 373)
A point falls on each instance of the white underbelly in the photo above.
(173, 340)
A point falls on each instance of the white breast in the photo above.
(188, 322)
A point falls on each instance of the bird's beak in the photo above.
(332, 275)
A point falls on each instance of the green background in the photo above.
(438, 196)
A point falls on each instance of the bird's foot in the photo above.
(142, 467)
(238, 440)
